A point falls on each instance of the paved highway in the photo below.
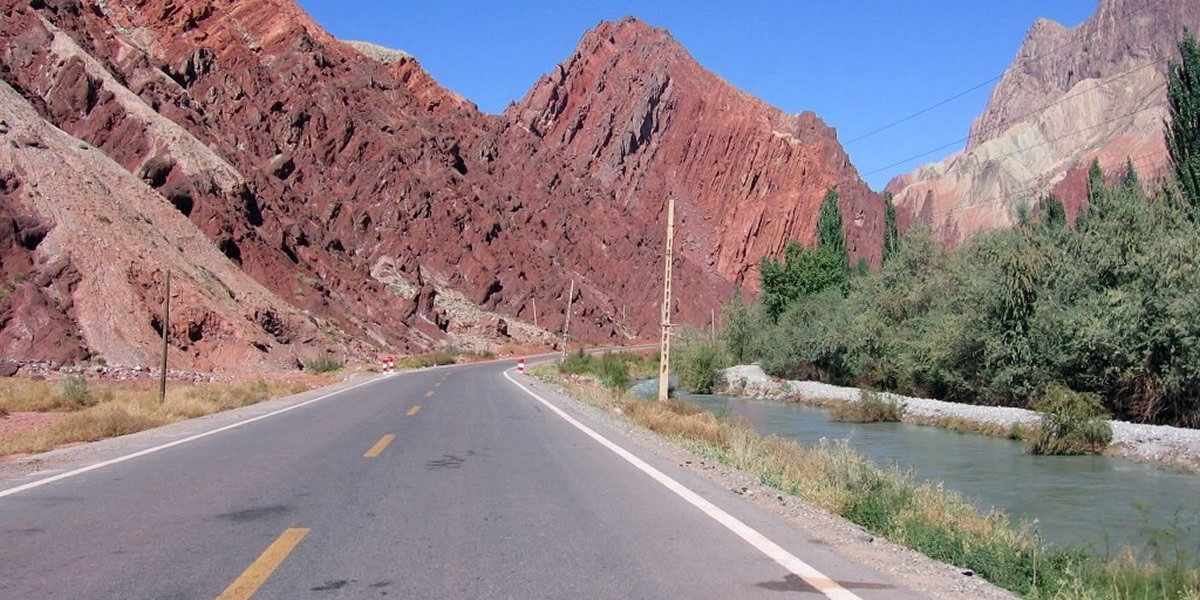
(444, 483)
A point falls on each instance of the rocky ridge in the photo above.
(1095, 91)
(369, 205)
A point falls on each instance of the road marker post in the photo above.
(520, 365)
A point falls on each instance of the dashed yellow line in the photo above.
(429, 394)
(379, 446)
(437, 385)
(257, 573)
(414, 410)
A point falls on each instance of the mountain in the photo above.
(632, 109)
(1095, 91)
(312, 195)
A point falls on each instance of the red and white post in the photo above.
(387, 364)
(520, 365)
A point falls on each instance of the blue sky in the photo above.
(858, 64)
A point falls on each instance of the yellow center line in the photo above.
(437, 385)
(429, 393)
(379, 446)
(257, 573)
(414, 410)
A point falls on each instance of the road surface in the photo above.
(444, 483)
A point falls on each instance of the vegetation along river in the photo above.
(1105, 502)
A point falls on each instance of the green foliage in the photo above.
(891, 231)
(1051, 212)
(802, 273)
(830, 235)
(577, 363)
(698, 363)
(1108, 308)
(1183, 127)
(871, 407)
(612, 372)
(323, 364)
(739, 328)
(1072, 423)
(75, 390)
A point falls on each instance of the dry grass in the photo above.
(889, 502)
(120, 409)
(870, 407)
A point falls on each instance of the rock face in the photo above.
(339, 199)
(632, 109)
(1071, 95)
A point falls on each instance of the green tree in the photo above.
(830, 235)
(1130, 182)
(739, 328)
(1053, 214)
(1096, 191)
(1183, 127)
(802, 272)
(891, 232)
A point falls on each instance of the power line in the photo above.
(981, 84)
(1025, 193)
(1026, 115)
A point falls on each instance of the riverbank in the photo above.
(890, 503)
(1171, 446)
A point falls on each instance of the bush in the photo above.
(323, 364)
(75, 389)
(1072, 423)
(612, 372)
(870, 407)
(699, 362)
(429, 359)
(577, 363)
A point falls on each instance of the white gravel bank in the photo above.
(1156, 443)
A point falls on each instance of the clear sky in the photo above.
(859, 64)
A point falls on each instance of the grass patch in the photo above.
(1072, 423)
(615, 370)
(871, 407)
(892, 504)
(429, 359)
(123, 409)
(323, 364)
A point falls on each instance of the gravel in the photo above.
(1174, 446)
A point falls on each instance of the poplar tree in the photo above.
(830, 236)
(1183, 128)
(891, 232)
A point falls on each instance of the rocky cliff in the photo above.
(1071, 95)
(633, 109)
(364, 207)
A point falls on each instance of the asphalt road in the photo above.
(445, 483)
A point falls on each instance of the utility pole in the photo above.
(567, 321)
(664, 359)
(535, 312)
(166, 326)
(712, 315)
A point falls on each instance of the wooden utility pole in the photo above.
(664, 359)
(567, 321)
(712, 331)
(166, 326)
(535, 312)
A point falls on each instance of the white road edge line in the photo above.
(120, 459)
(827, 586)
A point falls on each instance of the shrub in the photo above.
(323, 364)
(698, 364)
(870, 407)
(612, 372)
(75, 389)
(1072, 423)
(577, 363)
(429, 359)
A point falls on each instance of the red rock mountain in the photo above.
(313, 195)
(1095, 91)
